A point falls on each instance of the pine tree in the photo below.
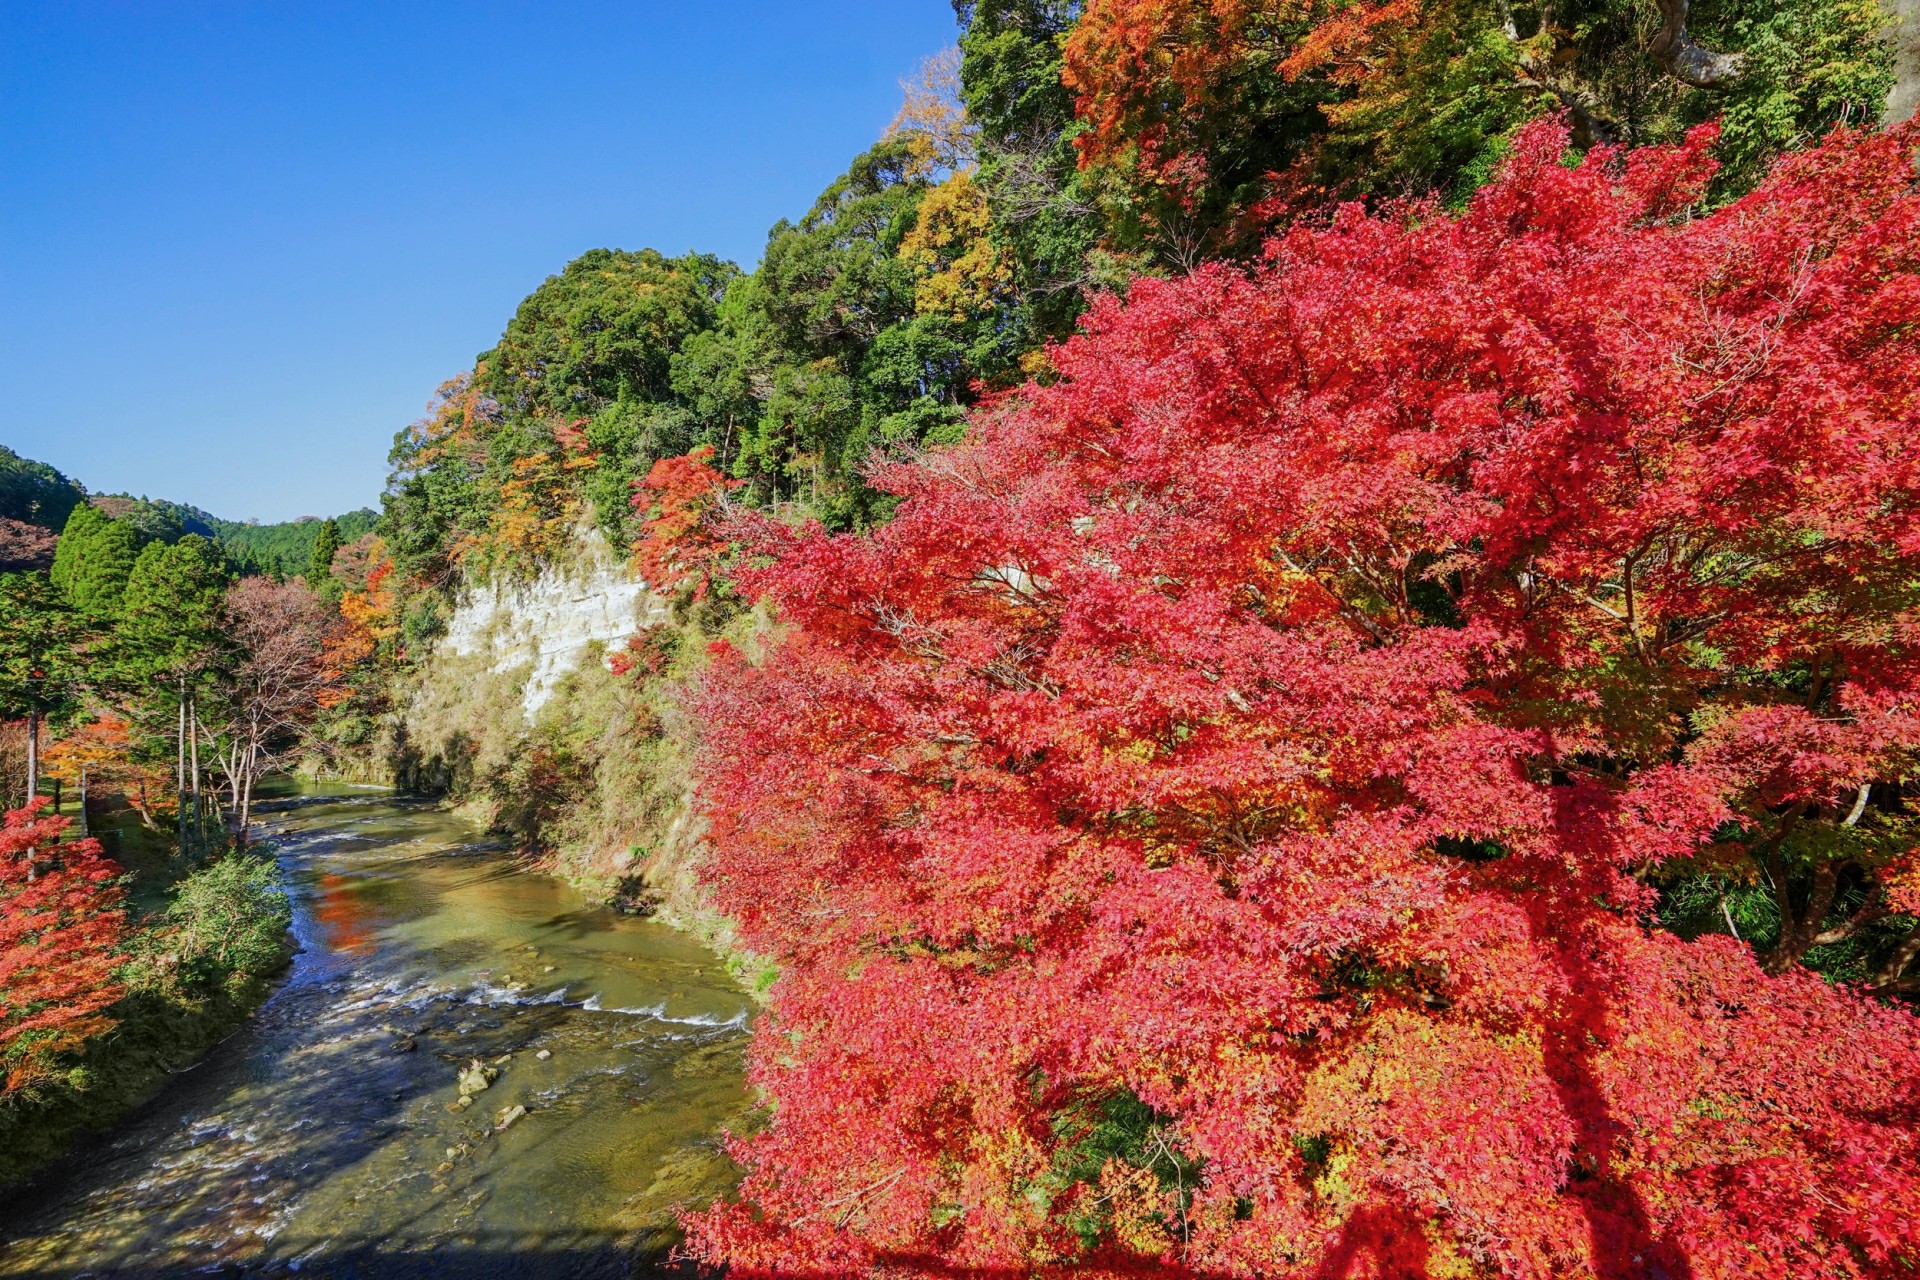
(325, 545)
(95, 555)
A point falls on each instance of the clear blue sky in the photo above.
(241, 243)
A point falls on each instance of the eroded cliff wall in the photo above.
(545, 627)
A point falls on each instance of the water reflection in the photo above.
(346, 924)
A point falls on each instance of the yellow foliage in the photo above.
(960, 270)
(372, 611)
(932, 119)
(1139, 1206)
(537, 509)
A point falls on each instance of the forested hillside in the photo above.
(1288, 636)
(1054, 154)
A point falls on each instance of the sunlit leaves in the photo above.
(1260, 742)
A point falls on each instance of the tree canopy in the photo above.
(1215, 827)
(93, 561)
(606, 326)
(35, 493)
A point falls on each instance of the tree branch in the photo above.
(1889, 979)
(1686, 61)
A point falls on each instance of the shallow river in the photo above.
(319, 1140)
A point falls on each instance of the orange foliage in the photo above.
(103, 749)
(678, 542)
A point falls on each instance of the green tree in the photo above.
(610, 322)
(94, 558)
(172, 645)
(1043, 208)
(824, 354)
(326, 544)
(40, 645)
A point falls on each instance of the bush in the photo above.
(231, 920)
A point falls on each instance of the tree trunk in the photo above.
(1893, 971)
(180, 768)
(246, 794)
(1687, 62)
(1905, 35)
(193, 738)
(83, 801)
(1799, 927)
(33, 753)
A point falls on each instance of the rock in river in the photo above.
(477, 1078)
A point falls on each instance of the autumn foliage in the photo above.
(1214, 828)
(677, 543)
(60, 923)
(100, 754)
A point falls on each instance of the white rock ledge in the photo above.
(547, 623)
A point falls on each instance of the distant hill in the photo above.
(34, 493)
(36, 499)
(282, 549)
(24, 546)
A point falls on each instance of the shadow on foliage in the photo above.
(1619, 1229)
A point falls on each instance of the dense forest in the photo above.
(1289, 629)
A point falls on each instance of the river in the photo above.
(320, 1140)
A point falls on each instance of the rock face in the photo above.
(1905, 34)
(546, 625)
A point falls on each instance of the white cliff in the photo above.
(546, 624)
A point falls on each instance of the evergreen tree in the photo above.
(95, 555)
(172, 646)
(39, 663)
(320, 562)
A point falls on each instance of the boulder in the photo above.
(477, 1078)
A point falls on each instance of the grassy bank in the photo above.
(206, 942)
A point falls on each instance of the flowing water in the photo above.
(321, 1140)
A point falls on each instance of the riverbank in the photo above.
(206, 948)
(330, 1135)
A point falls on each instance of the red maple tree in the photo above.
(678, 543)
(1213, 829)
(60, 925)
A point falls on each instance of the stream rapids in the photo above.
(322, 1139)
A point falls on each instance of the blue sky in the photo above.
(241, 243)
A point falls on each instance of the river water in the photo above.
(319, 1140)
